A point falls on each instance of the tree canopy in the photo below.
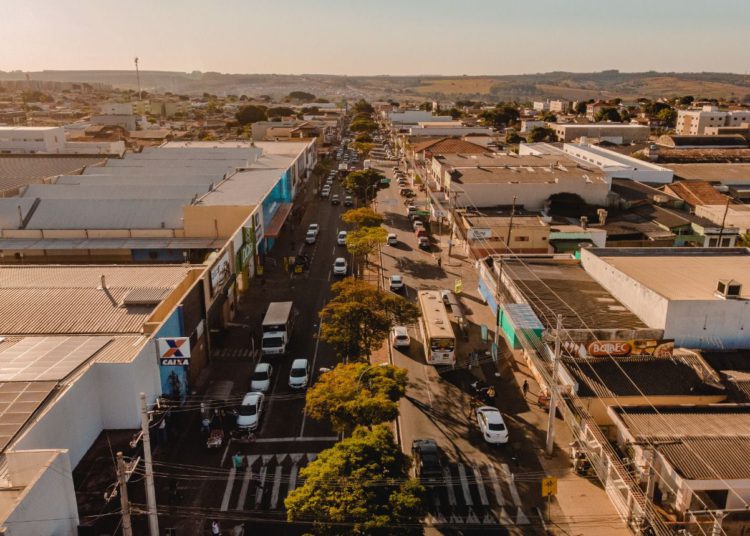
(279, 111)
(360, 486)
(538, 134)
(365, 240)
(363, 148)
(363, 124)
(302, 96)
(608, 114)
(358, 317)
(362, 106)
(668, 116)
(364, 183)
(251, 114)
(357, 394)
(580, 108)
(501, 116)
(362, 217)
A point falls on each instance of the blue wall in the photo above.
(173, 377)
(281, 193)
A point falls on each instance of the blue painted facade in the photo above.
(174, 379)
(281, 193)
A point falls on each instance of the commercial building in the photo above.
(488, 180)
(487, 233)
(403, 119)
(698, 296)
(688, 142)
(737, 216)
(695, 122)
(17, 171)
(425, 150)
(617, 133)
(51, 140)
(558, 106)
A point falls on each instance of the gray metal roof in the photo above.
(18, 171)
(243, 188)
(10, 218)
(16, 244)
(107, 214)
(114, 191)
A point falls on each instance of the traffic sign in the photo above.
(549, 486)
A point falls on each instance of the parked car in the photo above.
(348, 201)
(325, 192)
(417, 224)
(421, 232)
(310, 237)
(423, 243)
(400, 337)
(428, 460)
(392, 239)
(492, 425)
(299, 375)
(341, 238)
(335, 199)
(314, 227)
(396, 283)
(261, 379)
(411, 209)
(340, 266)
(250, 411)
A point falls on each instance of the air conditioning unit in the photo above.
(729, 289)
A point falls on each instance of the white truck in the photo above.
(277, 328)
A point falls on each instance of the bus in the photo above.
(437, 330)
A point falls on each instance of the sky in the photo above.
(396, 37)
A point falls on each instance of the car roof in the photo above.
(391, 234)
(396, 277)
(262, 366)
(252, 398)
(401, 330)
(310, 231)
(492, 414)
(340, 259)
(299, 363)
(342, 232)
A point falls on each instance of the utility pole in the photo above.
(138, 76)
(723, 221)
(122, 477)
(553, 390)
(499, 276)
(153, 519)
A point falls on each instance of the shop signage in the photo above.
(631, 347)
(220, 273)
(174, 351)
(479, 234)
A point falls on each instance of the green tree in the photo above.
(363, 149)
(362, 242)
(580, 108)
(356, 394)
(668, 116)
(362, 217)
(539, 134)
(301, 96)
(501, 116)
(608, 114)
(364, 183)
(362, 106)
(360, 487)
(549, 117)
(358, 317)
(512, 137)
(279, 111)
(363, 124)
(251, 114)
(426, 106)
(456, 113)
(687, 100)
(744, 240)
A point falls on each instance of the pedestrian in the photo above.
(237, 461)
(163, 430)
(440, 262)
(205, 421)
(215, 528)
(525, 388)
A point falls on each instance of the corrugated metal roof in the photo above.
(114, 191)
(122, 349)
(111, 243)
(9, 211)
(89, 276)
(243, 188)
(709, 458)
(18, 171)
(108, 214)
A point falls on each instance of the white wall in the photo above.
(47, 506)
(649, 306)
(531, 195)
(28, 140)
(709, 324)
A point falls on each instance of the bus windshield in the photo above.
(447, 345)
(273, 342)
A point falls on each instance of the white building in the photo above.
(414, 117)
(541, 106)
(695, 122)
(527, 125)
(684, 291)
(116, 108)
(26, 140)
(618, 133)
(558, 106)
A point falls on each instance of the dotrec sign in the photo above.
(605, 348)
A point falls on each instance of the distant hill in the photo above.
(565, 85)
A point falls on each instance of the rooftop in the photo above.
(449, 145)
(43, 300)
(16, 171)
(724, 172)
(681, 273)
(697, 193)
(728, 140)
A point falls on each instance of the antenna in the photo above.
(138, 76)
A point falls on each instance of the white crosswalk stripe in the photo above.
(261, 485)
(480, 486)
(276, 487)
(448, 480)
(496, 484)
(511, 484)
(465, 485)
(228, 490)
(245, 485)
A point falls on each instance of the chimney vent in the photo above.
(729, 289)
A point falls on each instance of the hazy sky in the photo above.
(376, 37)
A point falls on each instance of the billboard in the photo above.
(220, 273)
(174, 351)
(620, 348)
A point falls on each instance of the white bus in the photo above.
(437, 330)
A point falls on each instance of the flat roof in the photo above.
(16, 244)
(527, 174)
(678, 276)
(247, 187)
(63, 299)
(553, 286)
(712, 172)
(114, 191)
(20, 170)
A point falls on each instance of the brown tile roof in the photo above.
(449, 146)
(696, 193)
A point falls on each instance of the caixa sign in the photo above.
(613, 348)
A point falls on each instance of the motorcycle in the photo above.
(483, 392)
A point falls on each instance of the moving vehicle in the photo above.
(400, 337)
(341, 238)
(325, 192)
(299, 375)
(335, 199)
(436, 328)
(492, 425)
(396, 283)
(277, 328)
(348, 201)
(392, 239)
(427, 458)
(310, 237)
(261, 378)
(424, 243)
(366, 164)
(314, 227)
(250, 411)
(339, 266)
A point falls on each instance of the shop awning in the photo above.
(273, 229)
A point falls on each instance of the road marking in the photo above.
(471, 518)
(224, 456)
(465, 485)
(245, 485)
(496, 485)
(449, 486)
(276, 486)
(297, 438)
(311, 456)
(312, 373)
(521, 518)
(508, 476)
(293, 478)
(261, 482)
(228, 490)
(480, 486)
(280, 458)
(504, 518)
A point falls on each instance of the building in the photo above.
(737, 216)
(729, 174)
(487, 234)
(695, 122)
(700, 141)
(540, 106)
(697, 296)
(116, 108)
(452, 131)
(697, 193)
(30, 140)
(440, 146)
(617, 133)
(558, 106)
(402, 119)
(489, 180)
(17, 171)
(593, 109)
(126, 121)
(527, 125)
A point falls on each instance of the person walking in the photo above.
(525, 388)
(215, 528)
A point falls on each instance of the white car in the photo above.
(310, 237)
(299, 375)
(492, 425)
(339, 266)
(400, 337)
(261, 379)
(325, 192)
(314, 227)
(341, 238)
(396, 283)
(392, 239)
(250, 411)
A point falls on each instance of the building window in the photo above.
(521, 239)
(726, 242)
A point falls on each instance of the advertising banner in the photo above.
(174, 351)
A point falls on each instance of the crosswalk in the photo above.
(231, 353)
(463, 494)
